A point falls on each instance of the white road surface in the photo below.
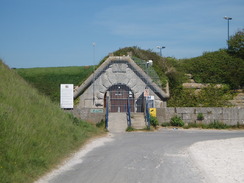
(221, 160)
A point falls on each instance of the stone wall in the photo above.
(227, 115)
(230, 115)
(90, 114)
(115, 73)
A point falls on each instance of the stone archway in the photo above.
(119, 96)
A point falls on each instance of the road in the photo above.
(144, 157)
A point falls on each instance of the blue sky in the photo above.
(51, 33)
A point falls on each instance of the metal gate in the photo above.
(120, 96)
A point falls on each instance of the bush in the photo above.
(176, 121)
(200, 116)
(165, 124)
(206, 97)
(154, 121)
(217, 125)
(216, 67)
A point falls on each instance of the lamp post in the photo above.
(228, 27)
(93, 79)
(160, 48)
(149, 63)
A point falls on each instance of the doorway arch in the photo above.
(119, 96)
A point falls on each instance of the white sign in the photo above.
(150, 97)
(150, 101)
(66, 96)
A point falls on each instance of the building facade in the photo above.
(118, 83)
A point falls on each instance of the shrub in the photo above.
(154, 121)
(217, 125)
(200, 116)
(165, 124)
(176, 121)
(227, 69)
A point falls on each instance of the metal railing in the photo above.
(107, 113)
(128, 113)
(147, 114)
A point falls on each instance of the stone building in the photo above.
(115, 84)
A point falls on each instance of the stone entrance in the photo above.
(117, 82)
(120, 97)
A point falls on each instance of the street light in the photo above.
(228, 27)
(160, 48)
(147, 64)
(93, 79)
(146, 94)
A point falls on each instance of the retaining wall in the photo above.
(227, 115)
(230, 115)
(89, 114)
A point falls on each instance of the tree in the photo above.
(236, 44)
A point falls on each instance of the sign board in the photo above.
(153, 112)
(150, 101)
(96, 110)
(66, 96)
(150, 97)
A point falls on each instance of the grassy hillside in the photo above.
(34, 132)
(47, 80)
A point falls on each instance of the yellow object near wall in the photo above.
(153, 112)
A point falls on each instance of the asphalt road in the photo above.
(144, 157)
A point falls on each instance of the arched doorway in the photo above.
(119, 96)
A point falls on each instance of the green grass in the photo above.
(47, 80)
(35, 133)
(213, 125)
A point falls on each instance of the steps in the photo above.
(117, 122)
(138, 120)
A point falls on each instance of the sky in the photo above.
(55, 33)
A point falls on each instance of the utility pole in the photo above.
(228, 28)
(93, 82)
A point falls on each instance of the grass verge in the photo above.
(212, 125)
(35, 133)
